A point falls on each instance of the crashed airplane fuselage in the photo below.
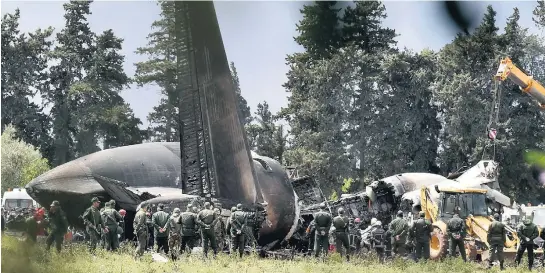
(150, 173)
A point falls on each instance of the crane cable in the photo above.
(493, 119)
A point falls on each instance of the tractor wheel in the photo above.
(438, 244)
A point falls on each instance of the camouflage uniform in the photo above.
(238, 223)
(378, 237)
(207, 219)
(173, 228)
(93, 223)
(456, 233)
(322, 224)
(159, 220)
(111, 220)
(527, 232)
(140, 226)
(228, 229)
(398, 229)
(421, 234)
(58, 224)
(496, 239)
(31, 229)
(188, 222)
(340, 222)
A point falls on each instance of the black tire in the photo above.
(438, 244)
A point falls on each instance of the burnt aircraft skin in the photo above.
(150, 173)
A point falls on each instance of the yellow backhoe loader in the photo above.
(473, 209)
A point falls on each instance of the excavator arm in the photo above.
(527, 84)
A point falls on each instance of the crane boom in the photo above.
(527, 84)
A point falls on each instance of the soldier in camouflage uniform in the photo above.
(159, 220)
(111, 219)
(140, 226)
(207, 219)
(173, 228)
(238, 224)
(322, 224)
(188, 223)
(340, 222)
(421, 234)
(496, 238)
(456, 233)
(398, 229)
(94, 224)
(527, 232)
(56, 219)
(228, 229)
(219, 229)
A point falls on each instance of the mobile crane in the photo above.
(508, 70)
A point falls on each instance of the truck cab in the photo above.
(17, 198)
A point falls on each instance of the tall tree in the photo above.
(24, 74)
(243, 109)
(265, 137)
(539, 14)
(319, 29)
(160, 69)
(73, 54)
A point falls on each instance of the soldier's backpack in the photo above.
(379, 236)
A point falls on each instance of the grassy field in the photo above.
(17, 258)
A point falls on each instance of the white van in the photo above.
(17, 198)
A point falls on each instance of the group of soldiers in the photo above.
(402, 239)
(180, 231)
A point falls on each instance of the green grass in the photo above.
(19, 258)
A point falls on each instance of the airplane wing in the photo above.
(125, 196)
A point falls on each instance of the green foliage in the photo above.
(347, 185)
(536, 158)
(21, 162)
(539, 14)
(333, 196)
(245, 115)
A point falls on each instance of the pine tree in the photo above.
(24, 74)
(243, 108)
(539, 14)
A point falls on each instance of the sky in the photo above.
(257, 36)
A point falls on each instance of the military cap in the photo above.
(497, 216)
(340, 211)
(233, 209)
(322, 206)
(422, 214)
(55, 203)
(399, 213)
(95, 199)
(239, 206)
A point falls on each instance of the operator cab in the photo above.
(468, 203)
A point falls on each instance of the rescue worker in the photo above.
(159, 220)
(207, 219)
(58, 224)
(111, 219)
(173, 228)
(140, 227)
(355, 232)
(94, 224)
(340, 222)
(322, 225)
(456, 234)
(421, 234)
(378, 237)
(238, 224)
(398, 229)
(496, 239)
(188, 223)
(122, 236)
(527, 232)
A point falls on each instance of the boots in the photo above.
(501, 266)
(348, 258)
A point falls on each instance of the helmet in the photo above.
(497, 216)
(373, 221)
(56, 203)
(322, 206)
(176, 211)
(422, 214)
(357, 220)
(95, 199)
(378, 223)
(239, 206)
(400, 213)
(122, 212)
(340, 211)
(233, 209)
(207, 204)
